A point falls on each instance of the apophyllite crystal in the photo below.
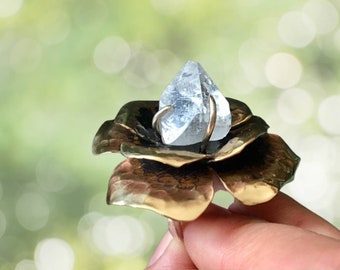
(188, 119)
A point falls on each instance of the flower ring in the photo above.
(192, 140)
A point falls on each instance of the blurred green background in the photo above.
(67, 66)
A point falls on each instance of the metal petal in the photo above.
(110, 136)
(131, 125)
(259, 171)
(180, 194)
(238, 138)
(137, 112)
(175, 158)
(240, 112)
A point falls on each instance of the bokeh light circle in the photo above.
(328, 114)
(143, 69)
(111, 54)
(315, 176)
(283, 70)
(319, 149)
(296, 29)
(9, 7)
(32, 211)
(252, 57)
(295, 106)
(120, 235)
(319, 187)
(54, 254)
(85, 225)
(25, 265)
(323, 14)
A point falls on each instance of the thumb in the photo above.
(220, 239)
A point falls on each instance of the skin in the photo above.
(279, 234)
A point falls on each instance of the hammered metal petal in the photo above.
(136, 113)
(111, 135)
(175, 158)
(180, 194)
(259, 171)
(240, 112)
(131, 125)
(240, 137)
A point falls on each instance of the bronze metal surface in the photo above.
(180, 194)
(259, 171)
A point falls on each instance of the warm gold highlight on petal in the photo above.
(180, 194)
(259, 171)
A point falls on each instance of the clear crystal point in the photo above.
(188, 95)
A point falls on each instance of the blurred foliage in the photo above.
(55, 92)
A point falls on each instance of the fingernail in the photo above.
(175, 229)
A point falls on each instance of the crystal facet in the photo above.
(188, 95)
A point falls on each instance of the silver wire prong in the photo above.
(158, 115)
(211, 125)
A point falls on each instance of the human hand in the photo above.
(279, 234)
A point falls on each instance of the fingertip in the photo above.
(207, 237)
(164, 243)
(174, 256)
